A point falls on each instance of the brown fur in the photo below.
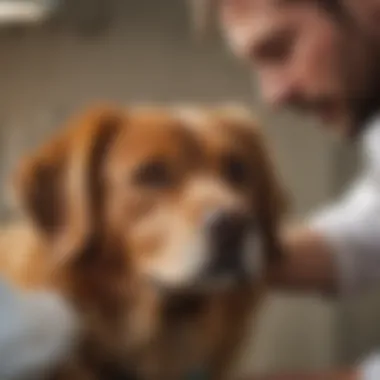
(91, 231)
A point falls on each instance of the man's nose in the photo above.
(280, 91)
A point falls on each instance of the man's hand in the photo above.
(308, 264)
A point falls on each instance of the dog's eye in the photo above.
(235, 170)
(156, 174)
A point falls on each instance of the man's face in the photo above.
(305, 58)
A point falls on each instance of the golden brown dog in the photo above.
(159, 226)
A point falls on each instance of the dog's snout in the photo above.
(227, 233)
(227, 229)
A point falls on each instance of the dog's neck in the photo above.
(146, 325)
(103, 274)
(181, 306)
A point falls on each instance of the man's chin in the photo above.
(339, 125)
(347, 128)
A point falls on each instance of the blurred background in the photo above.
(58, 56)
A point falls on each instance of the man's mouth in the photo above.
(325, 110)
(329, 113)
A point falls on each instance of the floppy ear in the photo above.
(59, 186)
(274, 201)
(269, 190)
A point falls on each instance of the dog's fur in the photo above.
(118, 209)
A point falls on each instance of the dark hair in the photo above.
(202, 10)
(334, 8)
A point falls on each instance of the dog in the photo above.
(159, 225)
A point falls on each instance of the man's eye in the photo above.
(276, 49)
(154, 174)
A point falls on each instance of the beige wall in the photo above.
(149, 55)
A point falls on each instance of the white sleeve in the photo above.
(370, 368)
(352, 228)
(36, 332)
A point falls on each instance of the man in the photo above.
(322, 57)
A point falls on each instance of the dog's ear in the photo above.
(270, 184)
(268, 190)
(58, 187)
(272, 195)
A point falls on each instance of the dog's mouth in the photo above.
(181, 306)
(223, 265)
(227, 261)
(204, 284)
(229, 265)
(213, 277)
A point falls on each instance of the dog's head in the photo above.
(183, 198)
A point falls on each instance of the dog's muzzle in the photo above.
(227, 233)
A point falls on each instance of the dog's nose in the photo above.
(227, 228)
(227, 233)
